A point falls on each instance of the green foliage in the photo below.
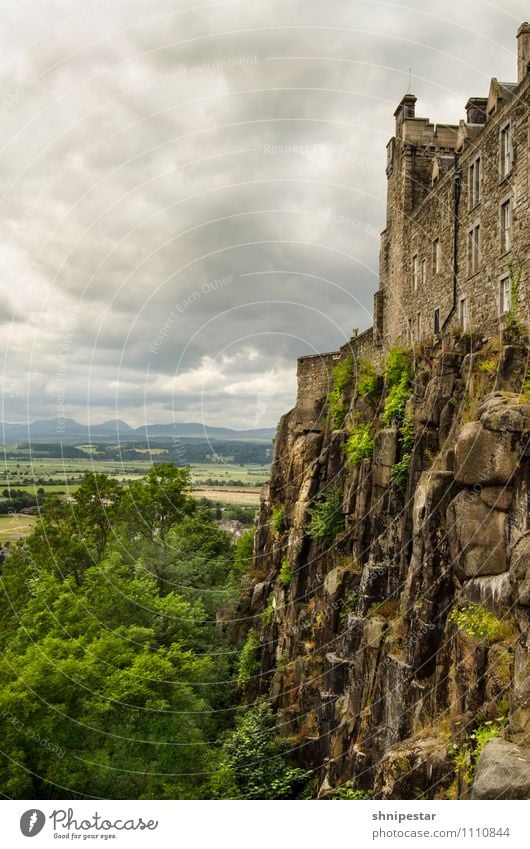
(400, 471)
(467, 755)
(514, 328)
(198, 564)
(286, 573)
(341, 379)
(244, 551)
(349, 792)
(360, 444)
(336, 409)
(397, 364)
(367, 379)
(249, 665)
(407, 429)
(104, 674)
(253, 763)
(342, 374)
(278, 520)
(396, 400)
(268, 614)
(349, 605)
(489, 365)
(326, 517)
(155, 503)
(108, 683)
(480, 624)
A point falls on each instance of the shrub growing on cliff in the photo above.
(326, 517)
(360, 444)
(249, 665)
(278, 520)
(254, 764)
(336, 409)
(396, 400)
(400, 471)
(480, 624)
(286, 573)
(243, 554)
(342, 374)
(349, 791)
(341, 378)
(367, 379)
(466, 756)
(397, 364)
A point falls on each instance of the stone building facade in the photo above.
(458, 225)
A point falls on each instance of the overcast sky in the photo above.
(192, 192)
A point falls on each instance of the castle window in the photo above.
(474, 183)
(418, 327)
(423, 272)
(473, 249)
(506, 151)
(436, 256)
(463, 313)
(506, 226)
(437, 321)
(415, 272)
(505, 294)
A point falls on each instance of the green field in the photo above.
(50, 473)
(56, 476)
(16, 526)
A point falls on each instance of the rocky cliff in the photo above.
(390, 590)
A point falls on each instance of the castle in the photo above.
(457, 228)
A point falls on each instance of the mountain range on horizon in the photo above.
(71, 432)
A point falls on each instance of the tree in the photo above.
(155, 503)
(253, 763)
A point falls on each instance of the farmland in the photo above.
(224, 482)
(13, 527)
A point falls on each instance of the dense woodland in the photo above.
(121, 655)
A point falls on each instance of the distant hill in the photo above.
(70, 432)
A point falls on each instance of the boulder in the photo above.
(259, 596)
(520, 571)
(506, 418)
(497, 497)
(477, 537)
(484, 457)
(503, 772)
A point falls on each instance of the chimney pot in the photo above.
(523, 51)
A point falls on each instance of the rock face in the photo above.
(503, 772)
(485, 457)
(477, 538)
(404, 627)
(520, 571)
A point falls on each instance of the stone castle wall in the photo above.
(411, 317)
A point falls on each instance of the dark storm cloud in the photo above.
(192, 193)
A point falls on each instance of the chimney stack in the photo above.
(523, 51)
(476, 110)
(406, 109)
